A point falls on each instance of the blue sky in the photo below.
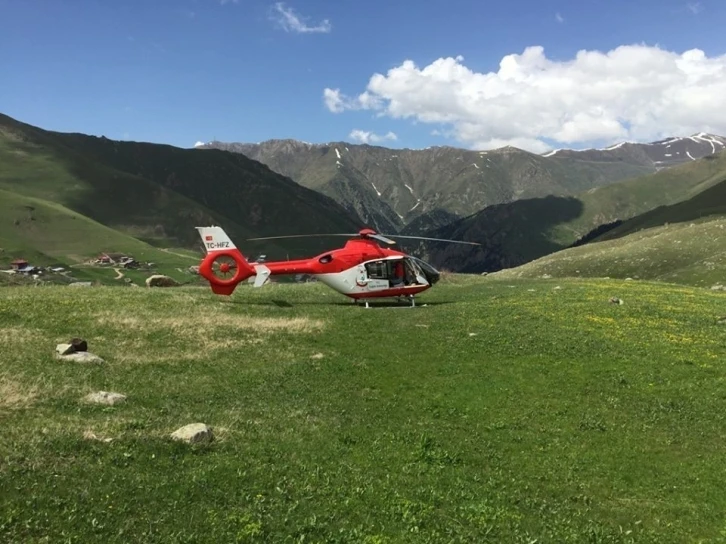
(182, 71)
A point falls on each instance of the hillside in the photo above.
(515, 233)
(158, 193)
(47, 234)
(390, 188)
(706, 204)
(692, 253)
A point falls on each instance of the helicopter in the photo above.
(360, 270)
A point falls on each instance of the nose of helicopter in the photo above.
(432, 275)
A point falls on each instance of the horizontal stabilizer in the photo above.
(262, 274)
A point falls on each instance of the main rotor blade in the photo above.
(434, 239)
(381, 238)
(301, 236)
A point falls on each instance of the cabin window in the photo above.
(325, 259)
(377, 270)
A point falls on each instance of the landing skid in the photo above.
(398, 299)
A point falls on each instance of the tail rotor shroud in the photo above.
(224, 270)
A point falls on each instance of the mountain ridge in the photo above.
(394, 189)
(389, 188)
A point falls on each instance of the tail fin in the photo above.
(215, 239)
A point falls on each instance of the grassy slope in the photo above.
(629, 198)
(34, 164)
(516, 233)
(710, 202)
(159, 193)
(51, 234)
(61, 234)
(683, 243)
(690, 253)
(606, 425)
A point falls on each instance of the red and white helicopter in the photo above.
(362, 269)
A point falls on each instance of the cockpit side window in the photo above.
(325, 259)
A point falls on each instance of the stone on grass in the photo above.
(90, 435)
(105, 397)
(193, 433)
(64, 349)
(79, 344)
(616, 300)
(81, 357)
(159, 280)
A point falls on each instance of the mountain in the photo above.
(396, 190)
(518, 232)
(656, 155)
(154, 194)
(390, 188)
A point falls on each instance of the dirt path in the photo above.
(179, 254)
(119, 274)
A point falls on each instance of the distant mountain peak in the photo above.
(661, 153)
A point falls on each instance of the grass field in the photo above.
(495, 411)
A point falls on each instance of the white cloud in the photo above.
(559, 18)
(199, 144)
(634, 92)
(366, 137)
(695, 7)
(292, 22)
(223, 2)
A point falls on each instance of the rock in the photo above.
(90, 435)
(159, 280)
(616, 300)
(193, 433)
(317, 356)
(81, 357)
(79, 344)
(64, 349)
(105, 397)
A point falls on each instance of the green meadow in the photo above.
(518, 411)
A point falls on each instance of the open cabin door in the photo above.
(393, 273)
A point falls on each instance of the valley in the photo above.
(68, 197)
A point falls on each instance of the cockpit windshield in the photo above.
(431, 274)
